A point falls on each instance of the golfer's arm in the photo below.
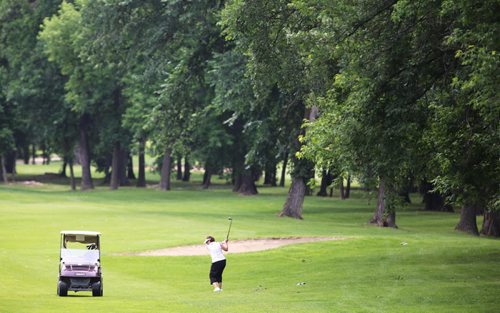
(224, 246)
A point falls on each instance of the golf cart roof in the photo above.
(80, 232)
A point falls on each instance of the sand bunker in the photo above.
(236, 246)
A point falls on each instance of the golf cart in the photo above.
(80, 263)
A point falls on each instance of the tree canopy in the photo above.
(395, 94)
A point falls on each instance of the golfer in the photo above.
(218, 261)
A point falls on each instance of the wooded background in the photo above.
(399, 96)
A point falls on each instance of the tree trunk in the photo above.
(86, 182)
(3, 172)
(141, 180)
(72, 175)
(267, 177)
(33, 155)
(283, 170)
(382, 217)
(341, 189)
(270, 174)
(390, 220)
(237, 181)
(76, 155)
(26, 154)
(187, 169)
(107, 172)
(10, 162)
(207, 177)
(326, 180)
(63, 169)
(491, 223)
(347, 194)
(378, 216)
(468, 223)
(247, 186)
(130, 166)
(323, 187)
(303, 170)
(10, 165)
(238, 171)
(433, 200)
(295, 199)
(179, 168)
(122, 166)
(45, 154)
(115, 167)
(166, 169)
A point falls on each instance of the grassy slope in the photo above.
(438, 270)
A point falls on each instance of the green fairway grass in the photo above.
(424, 266)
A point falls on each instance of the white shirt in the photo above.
(215, 250)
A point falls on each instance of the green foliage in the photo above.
(6, 140)
(211, 139)
(163, 55)
(32, 92)
(63, 36)
(95, 78)
(412, 96)
(262, 30)
(58, 33)
(246, 119)
(466, 114)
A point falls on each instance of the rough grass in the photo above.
(424, 266)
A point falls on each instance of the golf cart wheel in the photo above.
(62, 289)
(97, 289)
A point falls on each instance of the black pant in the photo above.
(216, 271)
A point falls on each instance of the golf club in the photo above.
(230, 223)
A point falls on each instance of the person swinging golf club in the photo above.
(218, 261)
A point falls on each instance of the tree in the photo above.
(174, 51)
(212, 142)
(464, 128)
(370, 124)
(233, 99)
(6, 143)
(141, 97)
(24, 76)
(88, 87)
(415, 78)
(260, 30)
(117, 43)
(105, 47)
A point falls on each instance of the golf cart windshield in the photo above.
(80, 241)
(80, 247)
